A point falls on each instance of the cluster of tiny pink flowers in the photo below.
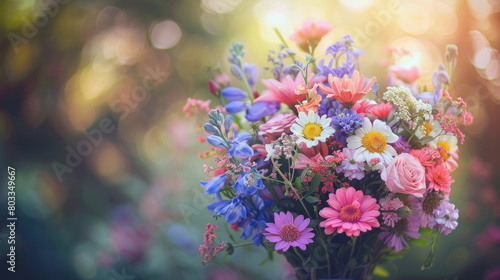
(232, 168)
(284, 145)
(209, 249)
(194, 106)
(449, 124)
(338, 157)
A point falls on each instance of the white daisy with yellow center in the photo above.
(447, 142)
(431, 128)
(311, 128)
(372, 141)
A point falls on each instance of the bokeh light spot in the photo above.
(165, 34)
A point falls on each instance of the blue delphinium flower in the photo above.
(239, 145)
(255, 228)
(244, 185)
(235, 106)
(215, 184)
(251, 73)
(217, 141)
(235, 210)
(262, 109)
(234, 94)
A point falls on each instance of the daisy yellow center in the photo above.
(428, 128)
(445, 150)
(289, 233)
(312, 130)
(374, 142)
(350, 213)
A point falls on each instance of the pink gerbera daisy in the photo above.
(439, 178)
(287, 231)
(347, 90)
(350, 211)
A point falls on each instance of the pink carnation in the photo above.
(405, 175)
(277, 125)
(427, 156)
(350, 211)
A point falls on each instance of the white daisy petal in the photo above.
(353, 142)
(358, 155)
(390, 151)
(367, 124)
(379, 126)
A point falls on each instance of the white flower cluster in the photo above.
(409, 109)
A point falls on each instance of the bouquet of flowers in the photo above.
(333, 173)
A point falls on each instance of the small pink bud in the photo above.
(213, 87)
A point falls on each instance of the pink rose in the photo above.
(405, 175)
(277, 125)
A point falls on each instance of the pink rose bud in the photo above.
(213, 87)
(405, 175)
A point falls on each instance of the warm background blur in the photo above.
(118, 72)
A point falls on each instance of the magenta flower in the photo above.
(286, 231)
(350, 211)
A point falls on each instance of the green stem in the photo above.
(246, 85)
(243, 244)
(413, 134)
(284, 42)
(321, 236)
(298, 254)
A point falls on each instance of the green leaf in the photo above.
(264, 261)
(426, 231)
(352, 262)
(298, 184)
(381, 272)
(426, 139)
(422, 242)
(313, 223)
(311, 199)
(316, 179)
(304, 173)
(229, 233)
(275, 207)
(430, 258)
(406, 127)
(272, 191)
